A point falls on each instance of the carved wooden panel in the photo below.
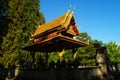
(73, 30)
(44, 37)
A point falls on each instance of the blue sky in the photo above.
(99, 18)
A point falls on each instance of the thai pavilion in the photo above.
(56, 36)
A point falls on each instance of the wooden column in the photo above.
(46, 59)
(32, 53)
(74, 51)
(61, 52)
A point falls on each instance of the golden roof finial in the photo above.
(73, 9)
(69, 8)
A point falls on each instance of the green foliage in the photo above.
(68, 55)
(10, 44)
(100, 43)
(23, 17)
(53, 57)
(40, 60)
(3, 20)
(84, 36)
(113, 50)
(86, 55)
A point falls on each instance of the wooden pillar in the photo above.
(46, 59)
(32, 53)
(61, 52)
(74, 51)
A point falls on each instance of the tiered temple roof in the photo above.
(59, 23)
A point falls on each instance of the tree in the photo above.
(113, 50)
(84, 36)
(31, 19)
(21, 24)
(3, 20)
(86, 55)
